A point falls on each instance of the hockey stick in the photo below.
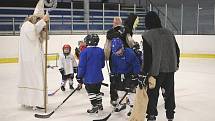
(48, 115)
(104, 84)
(48, 66)
(53, 93)
(107, 117)
(52, 5)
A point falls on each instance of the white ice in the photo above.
(194, 88)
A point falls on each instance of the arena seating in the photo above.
(11, 18)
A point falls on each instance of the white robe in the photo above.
(31, 65)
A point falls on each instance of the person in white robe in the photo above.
(31, 59)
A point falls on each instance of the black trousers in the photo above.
(113, 92)
(118, 84)
(69, 76)
(65, 77)
(165, 81)
(94, 94)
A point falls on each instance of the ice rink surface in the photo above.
(194, 88)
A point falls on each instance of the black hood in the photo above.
(152, 20)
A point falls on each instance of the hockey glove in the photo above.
(141, 81)
(77, 52)
(134, 78)
(79, 79)
(152, 82)
(131, 85)
(79, 86)
(62, 71)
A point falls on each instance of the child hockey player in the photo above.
(92, 60)
(67, 63)
(81, 46)
(125, 69)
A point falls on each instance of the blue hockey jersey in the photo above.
(91, 62)
(139, 55)
(128, 63)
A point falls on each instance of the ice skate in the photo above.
(71, 87)
(93, 110)
(120, 107)
(129, 112)
(113, 103)
(62, 88)
(79, 87)
(100, 106)
(38, 107)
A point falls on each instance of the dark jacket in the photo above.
(161, 51)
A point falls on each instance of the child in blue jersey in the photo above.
(91, 62)
(125, 69)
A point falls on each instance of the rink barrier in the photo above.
(197, 55)
(55, 57)
(15, 60)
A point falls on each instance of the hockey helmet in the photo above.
(82, 47)
(66, 49)
(91, 40)
(116, 44)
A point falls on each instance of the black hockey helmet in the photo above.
(91, 40)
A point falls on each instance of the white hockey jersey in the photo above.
(67, 63)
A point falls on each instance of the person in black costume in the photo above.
(161, 61)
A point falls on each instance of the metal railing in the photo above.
(72, 21)
(183, 20)
(187, 19)
(167, 20)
